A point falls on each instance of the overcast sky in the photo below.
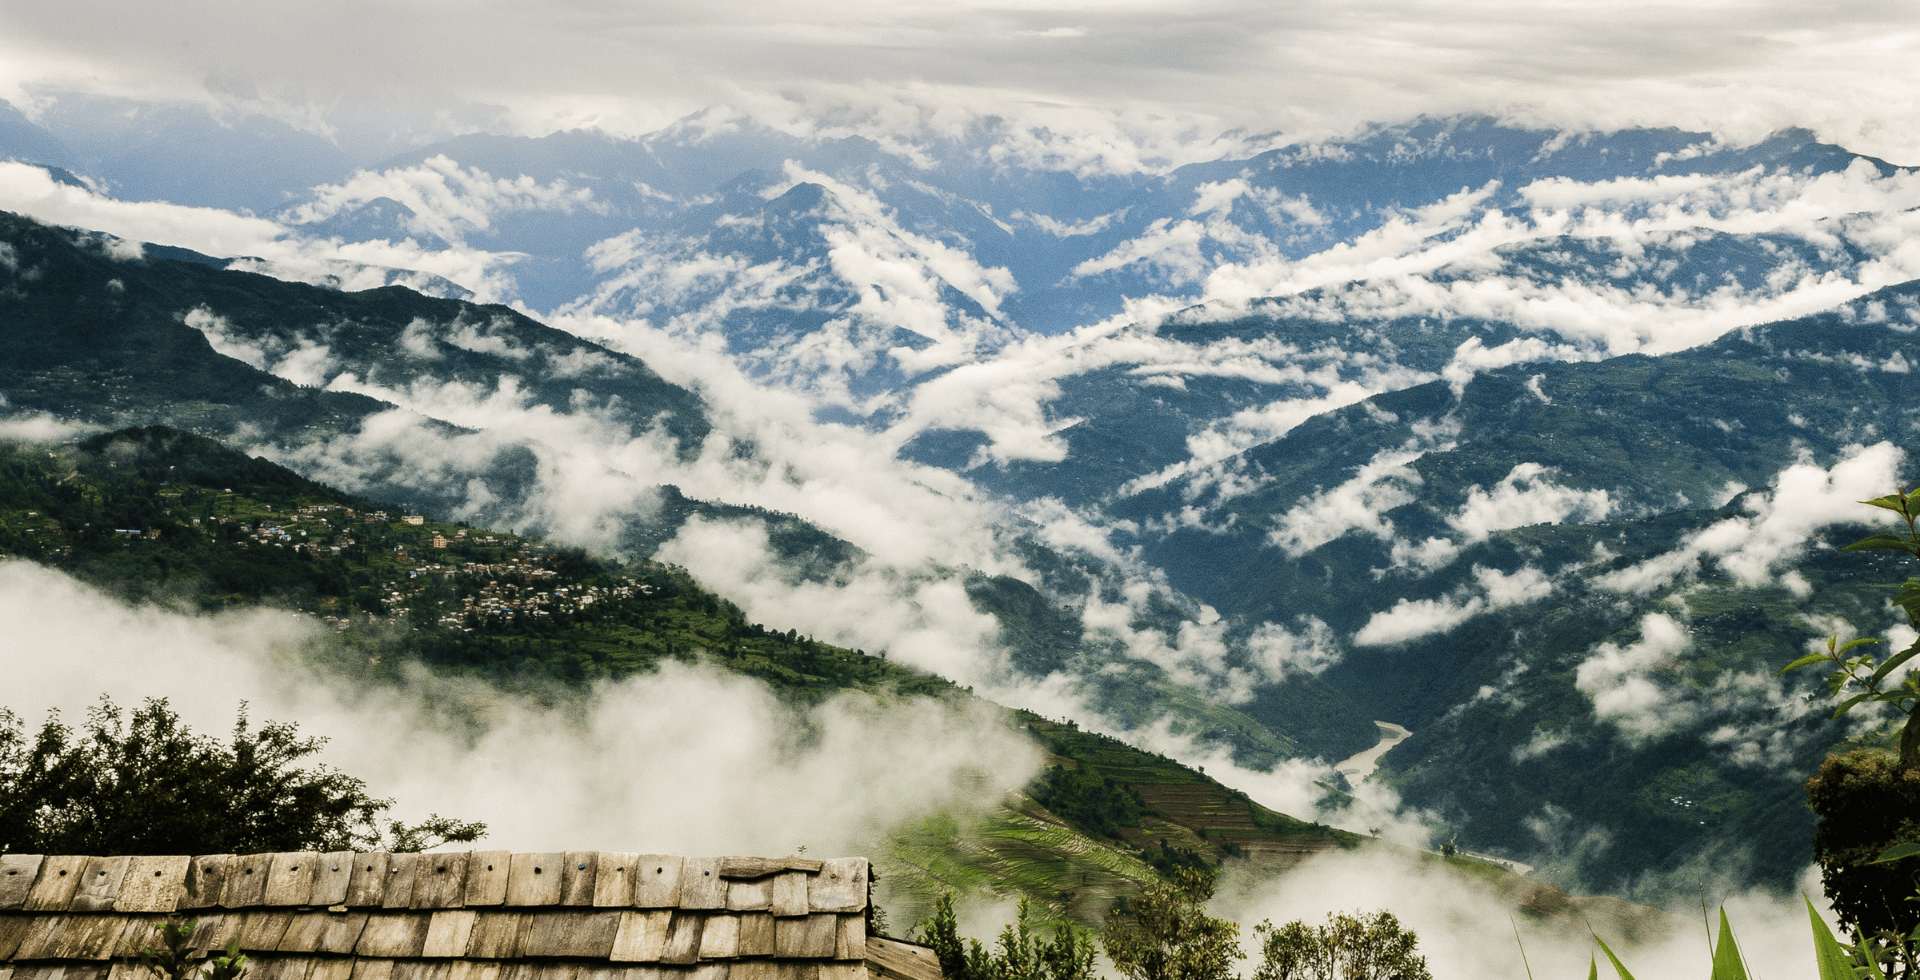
(1150, 71)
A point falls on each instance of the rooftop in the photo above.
(478, 915)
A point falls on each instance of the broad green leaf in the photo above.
(1851, 703)
(1618, 967)
(1881, 542)
(1856, 642)
(1726, 954)
(1895, 661)
(1896, 852)
(1896, 502)
(1828, 953)
(1806, 661)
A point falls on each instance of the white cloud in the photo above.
(1622, 682)
(1779, 524)
(447, 200)
(33, 192)
(1527, 495)
(1411, 619)
(541, 777)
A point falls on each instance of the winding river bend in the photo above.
(1359, 767)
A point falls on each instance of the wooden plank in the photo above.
(246, 880)
(153, 884)
(393, 934)
(17, 872)
(261, 931)
(13, 929)
(789, 893)
(142, 932)
(280, 968)
(365, 968)
(341, 933)
(720, 939)
(701, 886)
(303, 932)
(332, 967)
(120, 970)
(401, 872)
(850, 938)
(411, 970)
(496, 935)
(805, 938)
(807, 970)
(53, 889)
(331, 878)
(658, 884)
(852, 970)
(518, 970)
(86, 937)
(289, 878)
(709, 971)
(759, 867)
(642, 936)
(213, 933)
(206, 882)
(41, 938)
(613, 881)
(896, 960)
(473, 970)
(555, 971)
(534, 879)
(683, 939)
(448, 932)
(487, 878)
(577, 876)
(579, 935)
(367, 884)
(750, 896)
(440, 881)
(841, 886)
(754, 969)
(756, 934)
(99, 884)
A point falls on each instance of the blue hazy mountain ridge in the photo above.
(96, 335)
(1046, 226)
(99, 334)
(1127, 426)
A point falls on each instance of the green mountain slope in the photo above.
(156, 513)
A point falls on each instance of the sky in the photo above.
(1158, 76)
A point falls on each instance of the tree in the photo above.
(1866, 679)
(1869, 801)
(1165, 933)
(1022, 954)
(1348, 947)
(145, 784)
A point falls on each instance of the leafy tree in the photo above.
(1348, 947)
(1865, 678)
(145, 784)
(1165, 933)
(1868, 800)
(1022, 954)
(175, 959)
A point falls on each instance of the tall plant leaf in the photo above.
(1726, 954)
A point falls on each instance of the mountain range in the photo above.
(1538, 443)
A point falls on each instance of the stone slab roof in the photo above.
(478, 915)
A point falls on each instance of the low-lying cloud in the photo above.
(685, 760)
